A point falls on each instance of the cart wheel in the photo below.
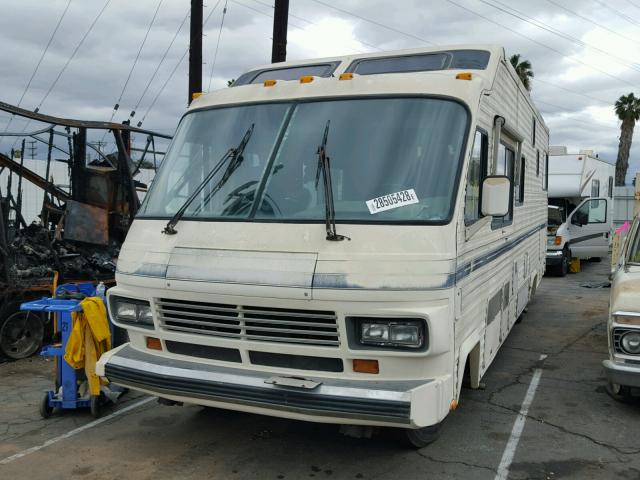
(45, 409)
(96, 406)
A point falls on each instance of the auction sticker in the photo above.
(392, 200)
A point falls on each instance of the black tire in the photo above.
(96, 405)
(45, 409)
(621, 393)
(420, 437)
(21, 334)
(563, 268)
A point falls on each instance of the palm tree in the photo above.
(628, 111)
(523, 69)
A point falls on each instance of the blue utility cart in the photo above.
(66, 394)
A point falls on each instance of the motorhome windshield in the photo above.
(392, 159)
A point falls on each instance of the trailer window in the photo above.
(518, 185)
(610, 187)
(477, 166)
(505, 166)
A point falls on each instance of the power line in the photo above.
(626, 17)
(64, 67)
(135, 61)
(373, 22)
(566, 112)
(35, 70)
(586, 19)
(599, 100)
(215, 54)
(164, 56)
(291, 23)
(73, 54)
(575, 60)
(175, 68)
(532, 21)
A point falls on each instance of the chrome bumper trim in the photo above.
(385, 402)
(622, 374)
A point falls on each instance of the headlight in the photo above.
(130, 311)
(392, 333)
(630, 343)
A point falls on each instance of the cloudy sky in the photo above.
(585, 53)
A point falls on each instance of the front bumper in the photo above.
(554, 257)
(622, 374)
(333, 401)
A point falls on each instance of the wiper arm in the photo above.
(235, 154)
(324, 165)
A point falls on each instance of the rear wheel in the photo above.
(421, 437)
(21, 334)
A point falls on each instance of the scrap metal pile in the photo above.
(36, 256)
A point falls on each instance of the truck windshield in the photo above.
(634, 248)
(392, 159)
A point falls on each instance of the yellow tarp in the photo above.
(90, 338)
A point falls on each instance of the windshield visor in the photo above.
(391, 159)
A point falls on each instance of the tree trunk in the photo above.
(622, 163)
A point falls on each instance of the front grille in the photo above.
(618, 333)
(308, 327)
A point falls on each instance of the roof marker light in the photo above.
(195, 95)
(464, 76)
(346, 76)
(306, 79)
(270, 83)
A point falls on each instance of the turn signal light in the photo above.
(464, 76)
(366, 366)
(557, 240)
(306, 79)
(270, 83)
(153, 343)
(346, 76)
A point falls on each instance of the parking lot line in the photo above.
(518, 425)
(75, 431)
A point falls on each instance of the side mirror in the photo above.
(496, 194)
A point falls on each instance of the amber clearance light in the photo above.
(153, 343)
(366, 366)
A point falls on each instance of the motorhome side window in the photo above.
(595, 188)
(593, 211)
(518, 184)
(545, 179)
(610, 192)
(504, 166)
(538, 163)
(477, 165)
(533, 132)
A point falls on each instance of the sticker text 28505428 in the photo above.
(392, 200)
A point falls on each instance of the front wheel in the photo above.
(621, 393)
(421, 437)
(563, 268)
(45, 409)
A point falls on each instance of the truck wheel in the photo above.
(421, 437)
(621, 393)
(563, 268)
(21, 334)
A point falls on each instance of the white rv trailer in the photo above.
(580, 207)
(253, 299)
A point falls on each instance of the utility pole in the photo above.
(32, 148)
(195, 49)
(280, 20)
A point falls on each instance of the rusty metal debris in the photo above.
(81, 226)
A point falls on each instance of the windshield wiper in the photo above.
(236, 158)
(324, 165)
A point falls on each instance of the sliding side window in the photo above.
(475, 175)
